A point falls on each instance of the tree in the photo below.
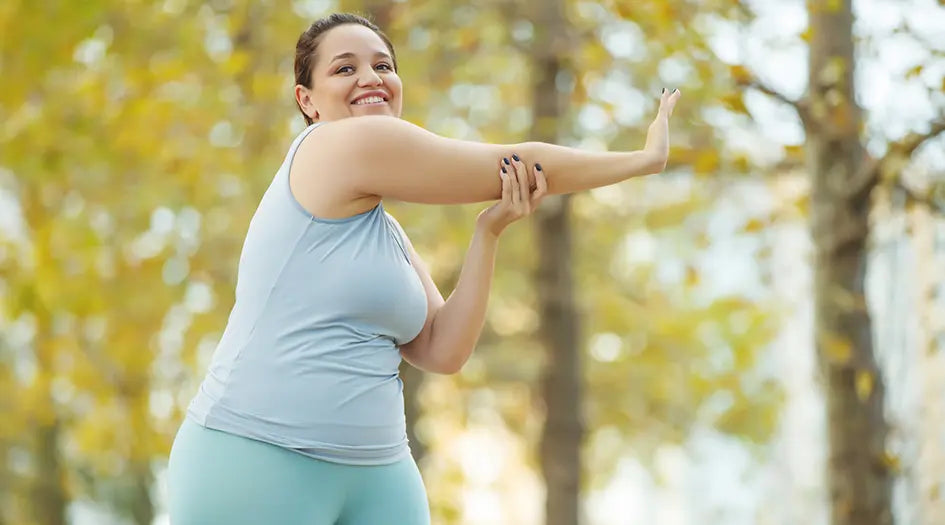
(844, 178)
(559, 323)
(133, 219)
(118, 187)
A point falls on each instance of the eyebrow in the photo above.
(379, 54)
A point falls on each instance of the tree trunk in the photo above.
(141, 505)
(858, 474)
(48, 500)
(930, 463)
(559, 328)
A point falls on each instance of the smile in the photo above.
(369, 100)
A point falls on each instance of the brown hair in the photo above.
(307, 46)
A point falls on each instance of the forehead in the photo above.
(351, 38)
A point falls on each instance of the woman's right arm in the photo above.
(375, 156)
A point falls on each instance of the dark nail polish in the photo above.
(514, 156)
(538, 166)
(664, 90)
(503, 169)
(675, 90)
(506, 161)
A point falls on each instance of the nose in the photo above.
(371, 78)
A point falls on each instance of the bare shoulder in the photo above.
(321, 167)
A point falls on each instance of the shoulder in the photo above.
(323, 164)
(354, 134)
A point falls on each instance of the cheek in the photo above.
(393, 81)
(396, 86)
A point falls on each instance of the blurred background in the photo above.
(754, 336)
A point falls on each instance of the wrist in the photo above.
(487, 232)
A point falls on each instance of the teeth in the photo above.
(369, 100)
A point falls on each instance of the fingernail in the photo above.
(675, 90)
(503, 169)
(506, 161)
(514, 156)
(538, 166)
(664, 90)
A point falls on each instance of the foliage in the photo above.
(137, 137)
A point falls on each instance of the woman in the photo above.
(300, 419)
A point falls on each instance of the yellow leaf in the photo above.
(915, 71)
(753, 226)
(864, 384)
(237, 62)
(891, 462)
(734, 102)
(740, 74)
(836, 349)
(692, 276)
(741, 163)
(794, 151)
(805, 35)
(706, 162)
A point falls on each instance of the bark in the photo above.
(930, 464)
(48, 499)
(559, 328)
(858, 475)
(141, 506)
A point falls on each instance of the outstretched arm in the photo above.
(376, 157)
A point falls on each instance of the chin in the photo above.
(379, 109)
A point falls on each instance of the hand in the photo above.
(517, 200)
(668, 102)
(657, 135)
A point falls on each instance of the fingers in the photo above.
(516, 187)
(506, 177)
(523, 190)
(668, 100)
(541, 186)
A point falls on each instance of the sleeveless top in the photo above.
(309, 358)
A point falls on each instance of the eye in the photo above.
(344, 69)
(385, 66)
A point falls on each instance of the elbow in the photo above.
(450, 364)
(451, 367)
(656, 164)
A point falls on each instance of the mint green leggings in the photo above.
(216, 478)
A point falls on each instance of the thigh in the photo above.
(215, 477)
(387, 494)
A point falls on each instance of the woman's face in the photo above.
(353, 75)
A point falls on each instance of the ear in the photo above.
(303, 96)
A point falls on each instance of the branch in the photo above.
(748, 80)
(911, 142)
(768, 90)
(926, 200)
(872, 169)
(865, 179)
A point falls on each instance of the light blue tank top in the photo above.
(309, 358)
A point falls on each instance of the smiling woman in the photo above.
(300, 418)
(354, 52)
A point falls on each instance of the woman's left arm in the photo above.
(453, 326)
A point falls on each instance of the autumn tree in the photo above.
(844, 180)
